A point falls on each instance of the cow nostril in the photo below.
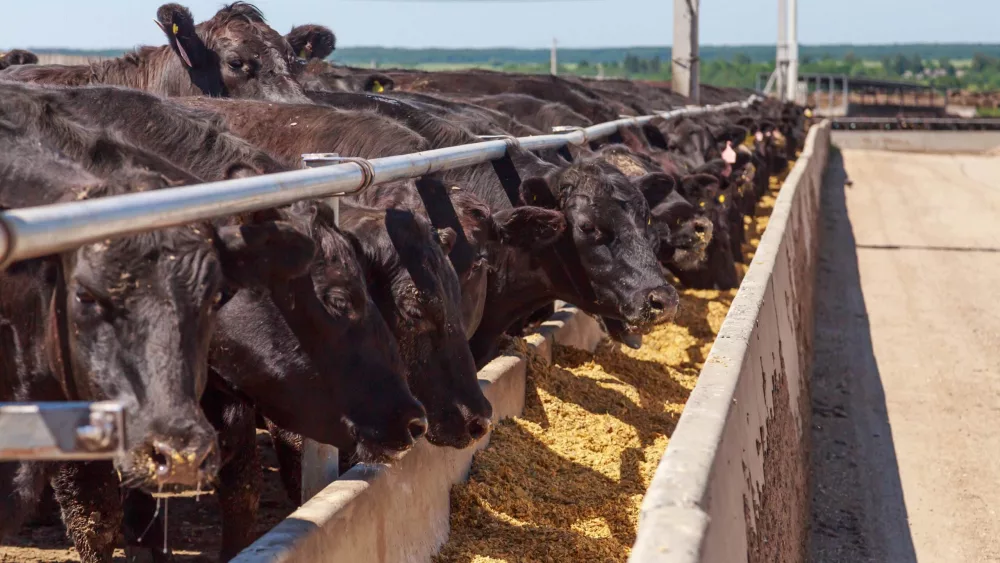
(479, 426)
(656, 302)
(417, 428)
(160, 456)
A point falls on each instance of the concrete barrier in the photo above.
(918, 141)
(400, 513)
(733, 483)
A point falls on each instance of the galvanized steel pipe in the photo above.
(48, 229)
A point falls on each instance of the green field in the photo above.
(970, 66)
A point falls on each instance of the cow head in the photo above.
(132, 322)
(689, 139)
(17, 57)
(311, 41)
(606, 262)
(684, 232)
(321, 76)
(418, 292)
(233, 54)
(326, 364)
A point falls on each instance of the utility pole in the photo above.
(554, 59)
(792, 77)
(781, 57)
(684, 63)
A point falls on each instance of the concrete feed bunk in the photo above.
(733, 485)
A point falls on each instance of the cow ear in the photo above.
(528, 228)
(654, 136)
(240, 170)
(176, 22)
(696, 186)
(312, 41)
(260, 254)
(655, 187)
(536, 191)
(379, 83)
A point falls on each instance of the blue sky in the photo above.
(528, 23)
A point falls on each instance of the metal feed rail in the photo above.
(38, 231)
(79, 431)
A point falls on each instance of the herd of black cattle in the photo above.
(365, 335)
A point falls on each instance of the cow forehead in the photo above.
(184, 253)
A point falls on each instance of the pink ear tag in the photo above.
(729, 155)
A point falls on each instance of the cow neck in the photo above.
(570, 269)
(61, 362)
(516, 289)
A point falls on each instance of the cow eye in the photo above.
(235, 64)
(85, 297)
(586, 226)
(220, 298)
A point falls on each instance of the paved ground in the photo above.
(906, 392)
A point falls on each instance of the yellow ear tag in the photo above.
(176, 29)
(722, 199)
(649, 221)
(303, 54)
(377, 87)
(702, 203)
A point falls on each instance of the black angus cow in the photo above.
(233, 54)
(125, 319)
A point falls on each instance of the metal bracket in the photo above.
(317, 160)
(61, 431)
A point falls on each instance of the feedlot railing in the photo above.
(915, 123)
(33, 232)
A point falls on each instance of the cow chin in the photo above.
(689, 259)
(456, 440)
(137, 469)
(371, 452)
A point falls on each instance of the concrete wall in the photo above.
(919, 141)
(733, 483)
(399, 513)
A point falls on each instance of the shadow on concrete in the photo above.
(858, 510)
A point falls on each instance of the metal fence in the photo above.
(48, 229)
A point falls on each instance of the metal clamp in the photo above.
(316, 160)
(572, 129)
(511, 140)
(61, 431)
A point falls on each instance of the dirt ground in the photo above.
(194, 527)
(906, 393)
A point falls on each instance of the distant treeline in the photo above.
(756, 53)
